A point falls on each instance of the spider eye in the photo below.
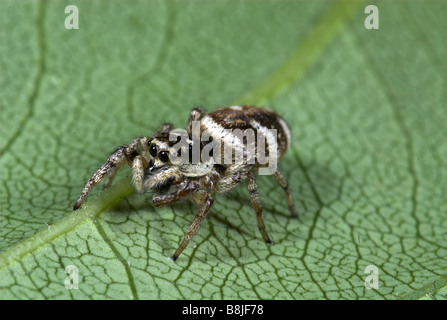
(153, 150)
(163, 156)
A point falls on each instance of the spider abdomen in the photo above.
(247, 130)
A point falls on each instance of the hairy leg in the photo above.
(154, 179)
(283, 184)
(231, 178)
(256, 203)
(195, 115)
(111, 175)
(206, 204)
(115, 161)
(229, 182)
(180, 193)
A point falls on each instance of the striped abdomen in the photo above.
(233, 128)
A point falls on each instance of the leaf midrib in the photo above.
(92, 209)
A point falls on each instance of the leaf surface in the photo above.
(367, 166)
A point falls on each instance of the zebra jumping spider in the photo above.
(213, 155)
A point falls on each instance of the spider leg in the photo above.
(111, 175)
(183, 191)
(256, 203)
(165, 127)
(229, 182)
(232, 176)
(195, 115)
(283, 184)
(206, 204)
(138, 164)
(152, 180)
(115, 161)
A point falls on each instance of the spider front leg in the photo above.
(115, 161)
(206, 202)
(232, 176)
(185, 189)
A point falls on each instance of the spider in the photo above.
(177, 165)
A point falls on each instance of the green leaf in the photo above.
(367, 166)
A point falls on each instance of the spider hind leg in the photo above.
(285, 186)
(256, 203)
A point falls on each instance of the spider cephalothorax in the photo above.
(213, 155)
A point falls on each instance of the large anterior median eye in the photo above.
(163, 156)
(153, 150)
